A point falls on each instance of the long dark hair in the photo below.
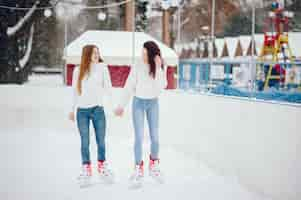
(152, 51)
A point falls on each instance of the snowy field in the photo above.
(39, 151)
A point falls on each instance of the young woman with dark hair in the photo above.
(145, 82)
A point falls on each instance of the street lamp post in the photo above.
(253, 64)
(211, 49)
(179, 23)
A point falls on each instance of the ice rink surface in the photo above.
(40, 155)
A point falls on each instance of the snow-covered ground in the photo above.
(39, 151)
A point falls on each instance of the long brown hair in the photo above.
(153, 50)
(85, 65)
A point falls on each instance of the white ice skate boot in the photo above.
(154, 170)
(85, 177)
(136, 178)
(104, 172)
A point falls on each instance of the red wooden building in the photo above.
(116, 48)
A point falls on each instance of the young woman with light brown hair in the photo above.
(90, 82)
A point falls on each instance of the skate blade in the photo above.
(158, 179)
(108, 180)
(136, 184)
(83, 186)
(85, 183)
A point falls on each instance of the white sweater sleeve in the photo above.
(107, 83)
(129, 88)
(74, 89)
(163, 77)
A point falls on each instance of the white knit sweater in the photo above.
(95, 85)
(141, 84)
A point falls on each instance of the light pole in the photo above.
(211, 49)
(253, 64)
(179, 24)
(65, 47)
(133, 33)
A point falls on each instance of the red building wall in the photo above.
(120, 73)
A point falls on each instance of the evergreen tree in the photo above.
(140, 14)
(17, 30)
(110, 23)
(45, 41)
(241, 24)
(141, 18)
(296, 8)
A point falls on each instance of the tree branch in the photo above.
(12, 30)
(25, 58)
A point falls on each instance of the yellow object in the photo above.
(280, 45)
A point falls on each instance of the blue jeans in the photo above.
(97, 116)
(150, 107)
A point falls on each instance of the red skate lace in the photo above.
(88, 167)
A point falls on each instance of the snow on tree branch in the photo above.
(25, 58)
(12, 30)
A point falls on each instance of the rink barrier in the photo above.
(198, 75)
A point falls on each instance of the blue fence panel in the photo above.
(199, 74)
(196, 73)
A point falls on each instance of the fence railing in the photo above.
(274, 81)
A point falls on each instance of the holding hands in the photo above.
(119, 111)
(71, 116)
